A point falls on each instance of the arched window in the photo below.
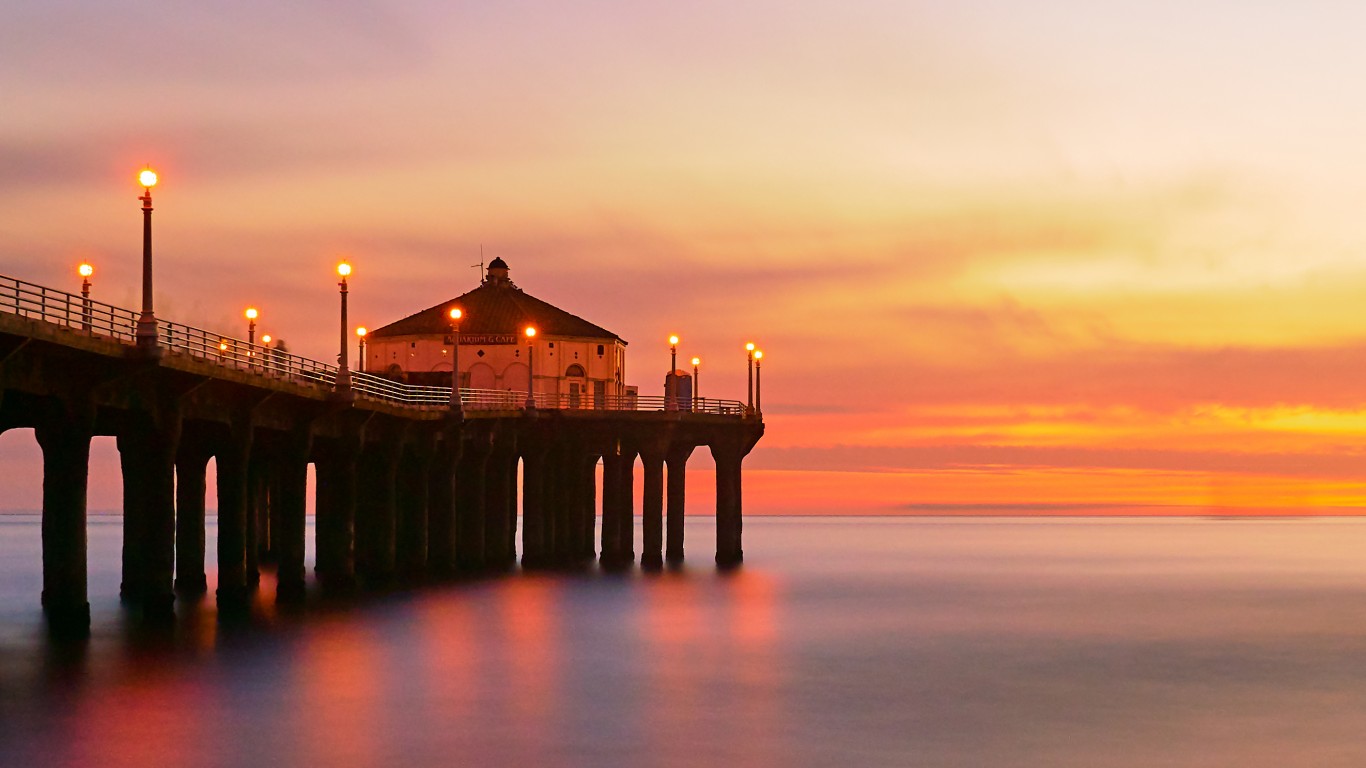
(482, 376)
(575, 371)
(516, 377)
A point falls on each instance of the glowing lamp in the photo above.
(456, 314)
(85, 270)
(251, 313)
(148, 178)
(530, 332)
(758, 354)
(344, 269)
(222, 346)
(265, 339)
(697, 361)
(750, 346)
(673, 341)
(361, 331)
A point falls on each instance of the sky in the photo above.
(1002, 257)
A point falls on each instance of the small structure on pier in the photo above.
(575, 361)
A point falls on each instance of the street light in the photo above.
(672, 399)
(147, 322)
(531, 368)
(455, 315)
(85, 271)
(696, 361)
(251, 325)
(343, 371)
(360, 360)
(749, 353)
(758, 389)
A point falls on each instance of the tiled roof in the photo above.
(496, 306)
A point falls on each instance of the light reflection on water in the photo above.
(841, 642)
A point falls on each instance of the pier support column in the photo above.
(290, 536)
(335, 520)
(260, 484)
(147, 448)
(442, 530)
(376, 509)
(586, 480)
(191, 468)
(64, 435)
(234, 461)
(500, 499)
(728, 455)
(677, 462)
(469, 500)
(618, 514)
(562, 523)
(652, 508)
(412, 533)
(535, 505)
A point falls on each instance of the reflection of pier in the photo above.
(407, 486)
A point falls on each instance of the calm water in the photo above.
(901, 642)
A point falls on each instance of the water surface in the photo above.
(896, 642)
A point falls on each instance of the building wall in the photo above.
(505, 364)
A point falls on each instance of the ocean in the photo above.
(841, 642)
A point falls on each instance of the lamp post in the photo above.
(266, 356)
(531, 368)
(758, 388)
(696, 361)
(749, 353)
(146, 333)
(85, 271)
(343, 371)
(360, 348)
(251, 331)
(455, 315)
(671, 401)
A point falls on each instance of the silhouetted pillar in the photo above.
(588, 507)
(147, 448)
(376, 510)
(535, 553)
(335, 515)
(652, 508)
(442, 529)
(260, 480)
(499, 498)
(728, 500)
(191, 468)
(233, 464)
(412, 499)
(291, 473)
(560, 504)
(677, 461)
(65, 439)
(618, 524)
(469, 501)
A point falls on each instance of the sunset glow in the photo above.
(1115, 261)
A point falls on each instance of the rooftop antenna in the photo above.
(482, 273)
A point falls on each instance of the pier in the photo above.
(411, 482)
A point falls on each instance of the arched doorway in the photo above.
(576, 375)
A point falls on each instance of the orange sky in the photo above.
(1001, 257)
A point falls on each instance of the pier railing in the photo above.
(89, 317)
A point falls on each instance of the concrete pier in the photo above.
(416, 492)
(64, 435)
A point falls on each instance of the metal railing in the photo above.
(68, 310)
(88, 317)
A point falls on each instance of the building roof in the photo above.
(495, 307)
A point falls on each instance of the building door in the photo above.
(599, 394)
(575, 374)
